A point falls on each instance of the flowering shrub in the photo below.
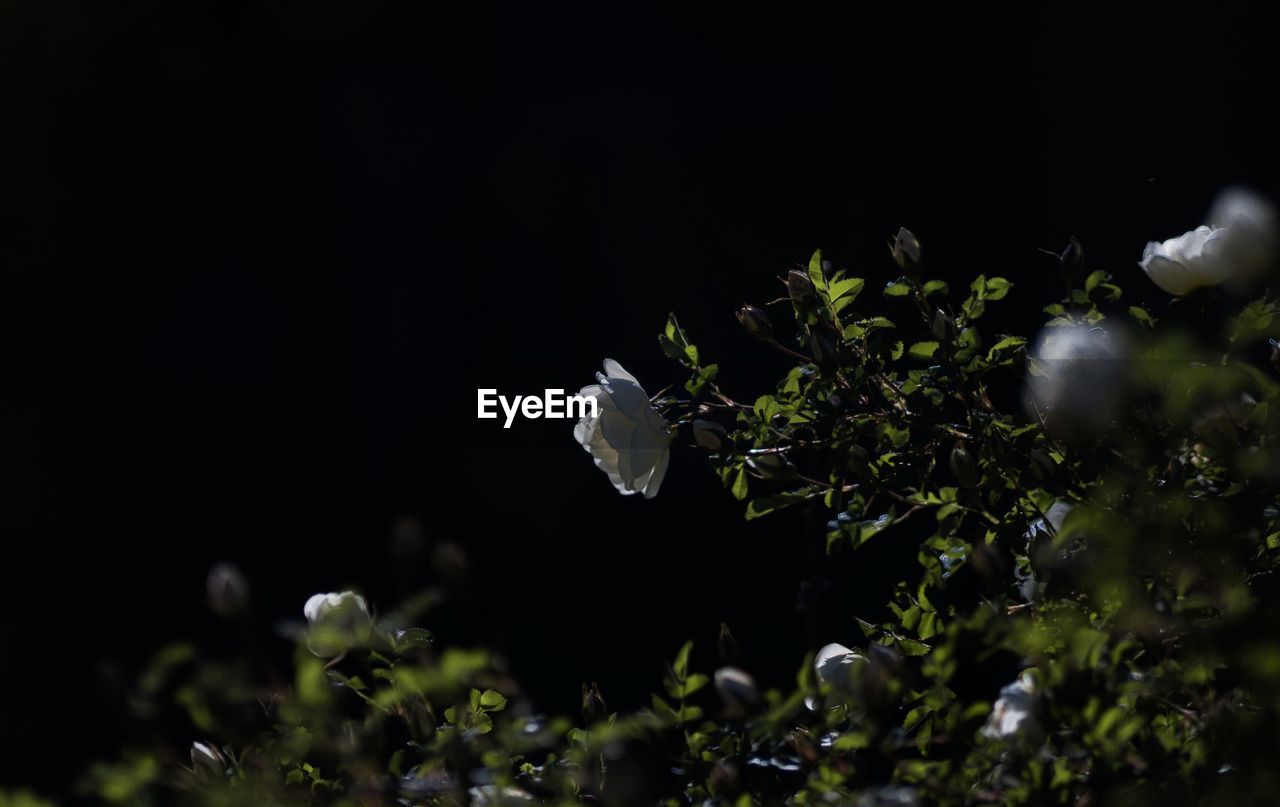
(1092, 618)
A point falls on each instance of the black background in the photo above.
(258, 258)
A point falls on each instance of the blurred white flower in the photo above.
(494, 796)
(1190, 261)
(1056, 516)
(1251, 224)
(837, 665)
(1075, 376)
(337, 622)
(628, 440)
(228, 590)
(1014, 712)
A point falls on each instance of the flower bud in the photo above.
(823, 349)
(736, 688)
(1071, 260)
(944, 327)
(727, 647)
(228, 590)
(337, 622)
(710, 435)
(208, 762)
(858, 460)
(755, 322)
(593, 706)
(800, 288)
(906, 251)
(963, 466)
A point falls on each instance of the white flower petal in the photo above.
(614, 370)
(659, 471)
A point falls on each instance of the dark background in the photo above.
(258, 258)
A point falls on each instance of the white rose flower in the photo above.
(1014, 712)
(1075, 376)
(628, 439)
(337, 622)
(1190, 261)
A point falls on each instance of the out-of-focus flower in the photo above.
(337, 622)
(496, 796)
(838, 666)
(627, 439)
(1251, 225)
(208, 761)
(1014, 712)
(593, 706)
(1056, 516)
(1054, 559)
(727, 647)
(1190, 261)
(228, 590)
(736, 688)
(1075, 376)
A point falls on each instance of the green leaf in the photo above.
(938, 287)
(923, 350)
(897, 288)
(769, 504)
(493, 701)
(1142, 315)
(997, 288)
(1005, 349)
(866, 326)
(815, 272)
(850, 287)
(681, 664)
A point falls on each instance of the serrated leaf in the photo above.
(849, 287)
(815, 272)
